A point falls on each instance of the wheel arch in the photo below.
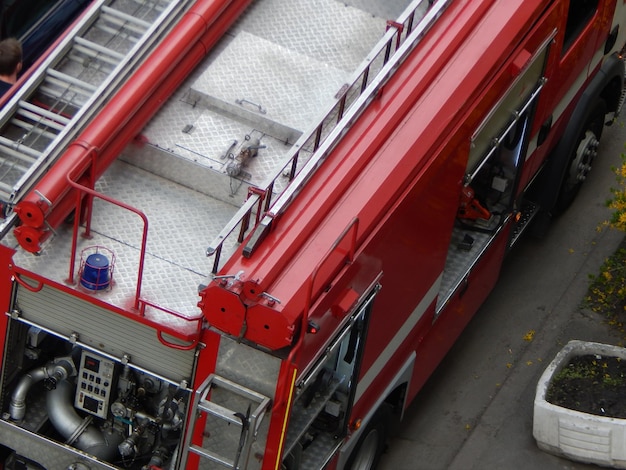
(607, 85)
(612, 74)
(393, 397)
(397, 400)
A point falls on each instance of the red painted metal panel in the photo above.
(6, 260)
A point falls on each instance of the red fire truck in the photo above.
(243, 234)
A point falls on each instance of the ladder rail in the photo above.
(4, 188)
(357, 107)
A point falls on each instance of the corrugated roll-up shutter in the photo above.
(104, 330)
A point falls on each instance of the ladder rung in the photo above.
(42, 116)
(92, 49)
(66, 80)
(154, 5)
(40, 119)
(221, 382)
(6, 189)
(100, 68)
(63, 92)
(212, 456)
(14, 166)
(11, 167)
(120, 29)
(33, 128)
(117, 17)
(25, 153)
(92, 55)
(123, 35)
(219, 411)
(69, 96)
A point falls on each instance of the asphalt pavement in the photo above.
(476, 410)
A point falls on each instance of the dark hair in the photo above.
(10, 55)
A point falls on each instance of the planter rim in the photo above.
(576, 435)
(571, 349)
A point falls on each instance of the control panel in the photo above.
(95, 382)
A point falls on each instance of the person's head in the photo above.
(10, 57)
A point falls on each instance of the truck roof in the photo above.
(280, 71)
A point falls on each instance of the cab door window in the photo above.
(579, 14)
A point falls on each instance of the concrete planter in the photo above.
(578, 436)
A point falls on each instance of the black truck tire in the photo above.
(372, 442)
(581, 154)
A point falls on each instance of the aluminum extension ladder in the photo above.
(72, 84)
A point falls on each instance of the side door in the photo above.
(491, 198)
(324, 397)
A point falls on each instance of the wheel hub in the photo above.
(367, 453)
(585, 154)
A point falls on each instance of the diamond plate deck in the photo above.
(460, 260)
(328, 31)
(276, 89)
(175, 262)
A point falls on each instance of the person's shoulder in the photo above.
(4, 87)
